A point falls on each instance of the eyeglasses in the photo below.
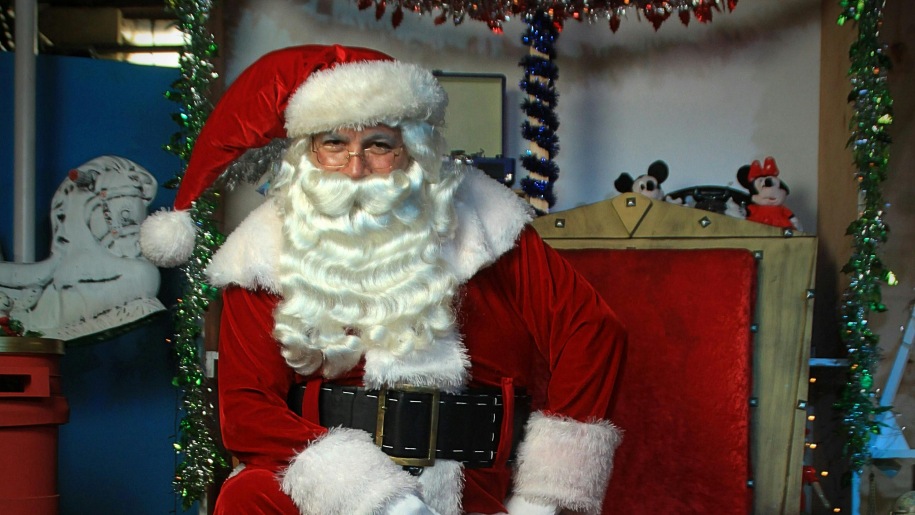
(377, 156)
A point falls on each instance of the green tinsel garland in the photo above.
(870, 147)
(199, 455)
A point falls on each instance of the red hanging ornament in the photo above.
(397, 17)
(656, 16)
(684, 17)
(704, 13)
(494, 14)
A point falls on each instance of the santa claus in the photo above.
(394, 338)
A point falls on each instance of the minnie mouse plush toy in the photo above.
(768, 193)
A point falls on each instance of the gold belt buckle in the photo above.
(429, 460)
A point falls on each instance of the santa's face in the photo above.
(375, 150)
(769, 191)
(361, 265)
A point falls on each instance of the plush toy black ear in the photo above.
(743, 177)
(658, 170)
(624, 183)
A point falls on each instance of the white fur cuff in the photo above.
(566, 463)
(343, 472)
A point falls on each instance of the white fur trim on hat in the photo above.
(167, 237)
(566, 463)
(344, 472)
(361, 94)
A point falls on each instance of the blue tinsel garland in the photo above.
(540, 74)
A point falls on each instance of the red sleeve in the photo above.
(254, 380)
(533, 318)
(574, 330)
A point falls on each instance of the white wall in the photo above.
(706, 98)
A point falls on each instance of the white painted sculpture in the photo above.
(95, 279)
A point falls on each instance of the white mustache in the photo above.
(334, 194)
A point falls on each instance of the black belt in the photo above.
(464, 427)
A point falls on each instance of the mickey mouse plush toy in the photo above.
(768, 193)
(648, 185)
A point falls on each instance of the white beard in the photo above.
(361, 269)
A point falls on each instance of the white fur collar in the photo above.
(490, 218)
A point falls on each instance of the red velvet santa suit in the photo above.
(528, 321)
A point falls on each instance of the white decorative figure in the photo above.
(95, 279)
(732, 208)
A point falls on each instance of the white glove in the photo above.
(518, 505)
(410, 505)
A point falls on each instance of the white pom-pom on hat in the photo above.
(167, 237)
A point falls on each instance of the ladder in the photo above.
(890, 443)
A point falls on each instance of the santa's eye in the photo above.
(333, 145)
(379, 147)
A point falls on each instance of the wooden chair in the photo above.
(713, 392)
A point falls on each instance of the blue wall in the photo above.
(116, 451)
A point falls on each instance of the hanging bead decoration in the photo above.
(199, 456)
(540, 74)
(870, 143)
(494, 13)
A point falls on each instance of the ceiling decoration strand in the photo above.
(495, 13)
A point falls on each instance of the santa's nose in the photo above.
(355, 168)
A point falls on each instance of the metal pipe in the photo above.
(24, 131)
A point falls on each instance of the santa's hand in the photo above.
(518, 505)
(410, 505)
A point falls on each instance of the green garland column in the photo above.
(870, 147)
(200, 458)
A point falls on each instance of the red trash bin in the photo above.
(31, 409)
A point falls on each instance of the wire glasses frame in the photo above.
(375, 158)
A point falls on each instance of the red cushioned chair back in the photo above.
(683, 396)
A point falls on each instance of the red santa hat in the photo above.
(291, 93)
(767, 169)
